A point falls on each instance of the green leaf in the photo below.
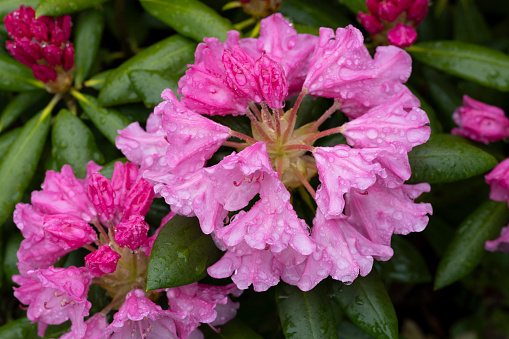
(448, 158)
(6, 140)
(191, 18)
(469, 24)
(19, 329)
(479, 64)
(10, 261)
(305, 314)
(98, 80)
(467, 247)
(355, 5)
(234, 329)
(348, 330)
(61, 7)
(89, 30)
(7, 6)
(181, 254)
(367, 304)
(315, 14)
(107, 170)
(107, 121)
(150, 84)
(406, 265)
(18, 106)
(18, 165)
(171, 55)
(16, 77)
(73, 143)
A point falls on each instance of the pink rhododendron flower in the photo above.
(109, 222)
(43, 45)
(498, 179)
(244, 200)
(480, 122)
(394, 21)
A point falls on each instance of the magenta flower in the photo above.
(480, 122)
(43, 45)
(498, 179)
(244, 199)
(394, 21)
(105, 217)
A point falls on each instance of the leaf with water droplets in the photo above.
(150, 84)
(234, 329)
(305, 314)
(181, 254)
(367, 304)
(191, 18)
(476, 63)
(315, 14)
(467, 247)
(447, 158)
(14, 76)
(73, 143)
(61, 7)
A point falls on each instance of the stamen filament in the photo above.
(322, 134)
(335, 106)
(304, 182)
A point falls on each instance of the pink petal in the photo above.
(498, 179)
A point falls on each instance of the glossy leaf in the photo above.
(469, 24)
(19, 329)
(150, 84)
(10, 261)
(7, 6)
(234, 329)
(406, 265)
(17, 106)
(107, 170)
(61, 7)
(98, 80)
(448, 158)
(348, 330)
(315, 14)
(181, 254)
(73, 143)
(88, 35)
(171, 55)
(191, 18)
(305, 314)
(108, 121)
(14, 76)
(367, 304)
(477, 63)
(20, 162)
(467, 247)
(6, 140)
(355, 5)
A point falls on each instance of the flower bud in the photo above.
(67, 231)
(102, 261)
(132, 232)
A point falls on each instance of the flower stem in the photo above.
(242, 136)
(335, 106)
(293, 115)
(304, 182)
(322, 134)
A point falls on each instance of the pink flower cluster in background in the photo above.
(394, 21)
(105, 217)
(361, 199)
(43, 45)
(498, 179)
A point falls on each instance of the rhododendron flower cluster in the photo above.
(245, 200)
(394, 21)
(498, 179)
(43, 45)
(480, 122)
(106, 217)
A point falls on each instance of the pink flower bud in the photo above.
(417, 11)
(139, 199)
(102, 261)
(373, 6)
(271, 80)
(44, 73)
(239, 69)
(389, 11)
(132, 232)
(498, 179)
(370, 23)
(102, 196)
(402, 35)
(480, 122)
(53, 55)
(68, 57)
(20, 54)
(67, 231)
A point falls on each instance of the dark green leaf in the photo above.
(6, 139)
(18, 106)
(61, 7)
(477, 63)
(98, 80)
(108, 121)
(181, 254)
(467, 247)
(439, 234)
(406, 265)
(20, 162)
(14, 76)
(191, 18)
(7, 6)
(150, 84)
(305, 314)
(10, 261)
(367, 304)
(19, 329)
(315, 14)
(107, 170)
(89, 31)
(303, 29)
(348, 330)
(355, 5)
(234, 329)
(73, 143)
(448, 158)
(469, 24)
(170, 55)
